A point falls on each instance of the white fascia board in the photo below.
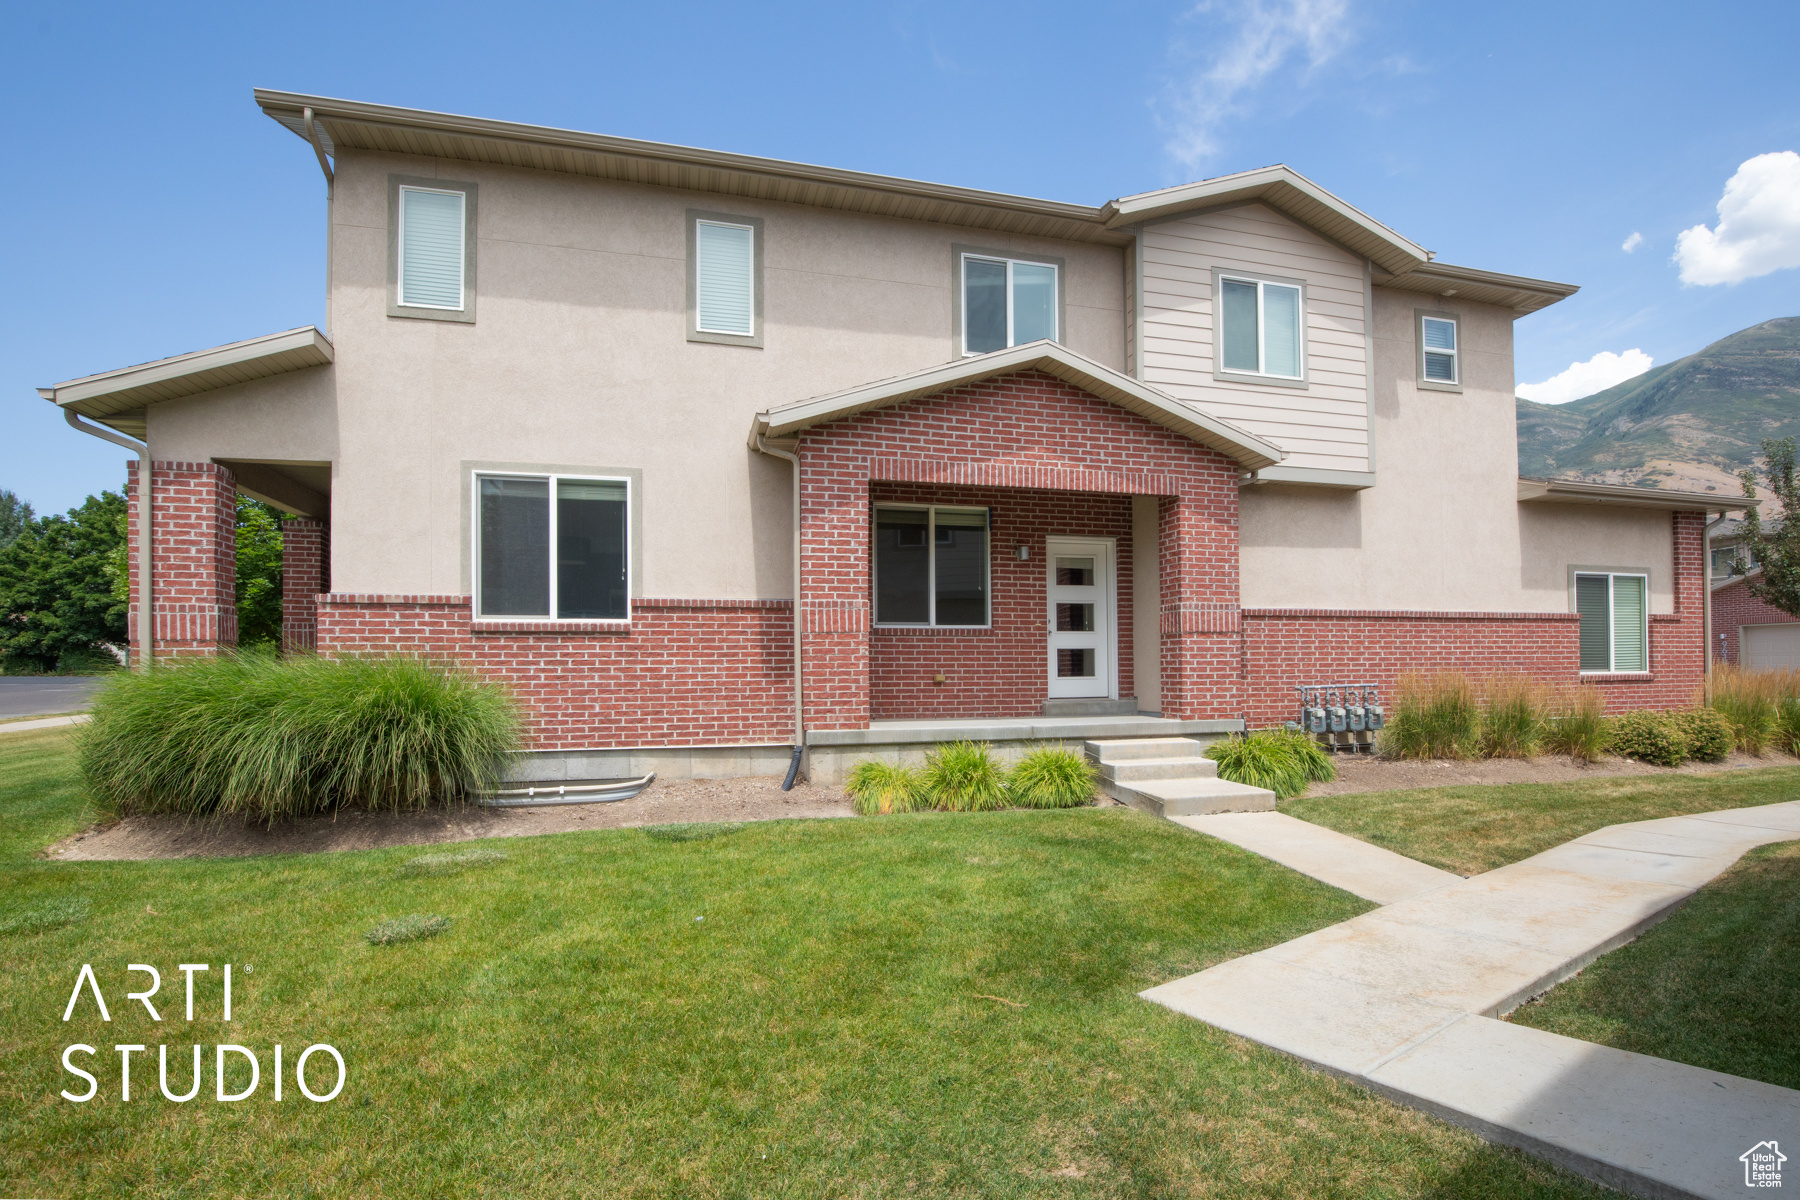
(165, 370)
(1246, 449)
(1574, 491)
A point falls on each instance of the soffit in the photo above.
(1517, 292)
(1575, 491)
(117, 398)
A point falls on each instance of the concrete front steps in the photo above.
(1170, 777)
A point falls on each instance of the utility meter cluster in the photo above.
(1341, 716)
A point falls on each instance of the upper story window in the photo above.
(724, 279)
(1439, 336)
(431, 253)
(931, 566)
(1615, 621)
(1261, 327)
(553, 547)
(1727, 559)
(1007, 302)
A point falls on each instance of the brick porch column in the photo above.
(193, 572)
(833, 607)
(302, 580)
(1201, 623)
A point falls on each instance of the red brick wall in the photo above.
(1000, 671)
(1733, 606)
(303, 555)
(1285, 648)
(682, 673)
(194, 558)
(1029, 431)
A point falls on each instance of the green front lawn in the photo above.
(930, 1005)
(1477, 828)
(1717, 985)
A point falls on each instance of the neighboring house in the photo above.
(1046, 466)
(1746, 631)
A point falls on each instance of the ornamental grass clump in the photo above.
(1748, 700)
(963, 777)
(1052, 777)
(1512, 717)
(1577, 724)
(1434, 716)
(1787, 726)
(272, 738)
(1284, 761)
(878, 788)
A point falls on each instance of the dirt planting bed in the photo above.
(1368, 774)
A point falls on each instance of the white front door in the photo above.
(1080, 617)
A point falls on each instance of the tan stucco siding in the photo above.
(578, 358)
(1556, 539)
(1323, 425)
(290, 418)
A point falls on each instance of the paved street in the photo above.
(30, 695)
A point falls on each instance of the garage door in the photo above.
(1771, 645)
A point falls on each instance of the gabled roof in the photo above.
(1576, 491)
(117, 398)
(1246, 449)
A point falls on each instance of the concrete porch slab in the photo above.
(1010, 729)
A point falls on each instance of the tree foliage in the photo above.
(58, 607)
(258, 573)
(1775, 546)
(15, 515)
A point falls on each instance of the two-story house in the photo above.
(710, 455)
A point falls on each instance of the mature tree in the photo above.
(57, 605)
(15, 515)
(258, 574)
(1775, 547)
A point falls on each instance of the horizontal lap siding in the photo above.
(1324, 425)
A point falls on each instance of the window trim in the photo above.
(630, 479)
(959, 332)
(931, 568)
(1612, 625)
(420, 312)
(1436, 385)
(1220, 373)
(692, 220)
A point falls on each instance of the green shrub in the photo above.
(1577, 725)
(1651, 737)
(1434, 716)
(273, 738)
(1787, 725)
(1748, 701)
(1051, 777)
(450, 863)
(878, 787)
(406, 929)
(1512, 719)
(1281, 760)
(1708, 733)
(963, 777)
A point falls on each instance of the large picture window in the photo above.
(1261, 327)
(554, 547)
(931, 566)
(1006, 302)
(1615, 621)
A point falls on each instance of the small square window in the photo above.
(1007, 302)
(1440, 351)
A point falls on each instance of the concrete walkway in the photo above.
(46, 723)
(1403, 999)
(1336, 858)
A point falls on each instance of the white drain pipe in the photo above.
(145, 619)
(799, 699)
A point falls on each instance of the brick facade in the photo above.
(305, 551)
(1734, 607)
(193, 558)
(681, 673)
(1026, 431)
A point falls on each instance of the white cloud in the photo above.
(1260, 38)
(1759, 225)
(1632, 242)
(1585, 378)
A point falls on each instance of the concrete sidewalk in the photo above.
(1402, 1000)
(46, 723)
(1336, 858)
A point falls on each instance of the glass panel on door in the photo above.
(1079, 587)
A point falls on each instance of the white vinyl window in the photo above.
(552, 547)
(724, 278)
(1007, 302)
(1260, 328)
(1439, 352)
(1615, 621)
(931, 566)
(431, 250)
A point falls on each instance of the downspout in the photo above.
(1706, 594)
(799, 704)
(145, 619)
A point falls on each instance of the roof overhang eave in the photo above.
(125, 392)
(1246, 449)
(1575, 491)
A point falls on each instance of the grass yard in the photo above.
(929, 1005)
(1474, 829)
(1716, 985)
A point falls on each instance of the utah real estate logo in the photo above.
(1762, 1165)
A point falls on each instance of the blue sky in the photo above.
(152, 209)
